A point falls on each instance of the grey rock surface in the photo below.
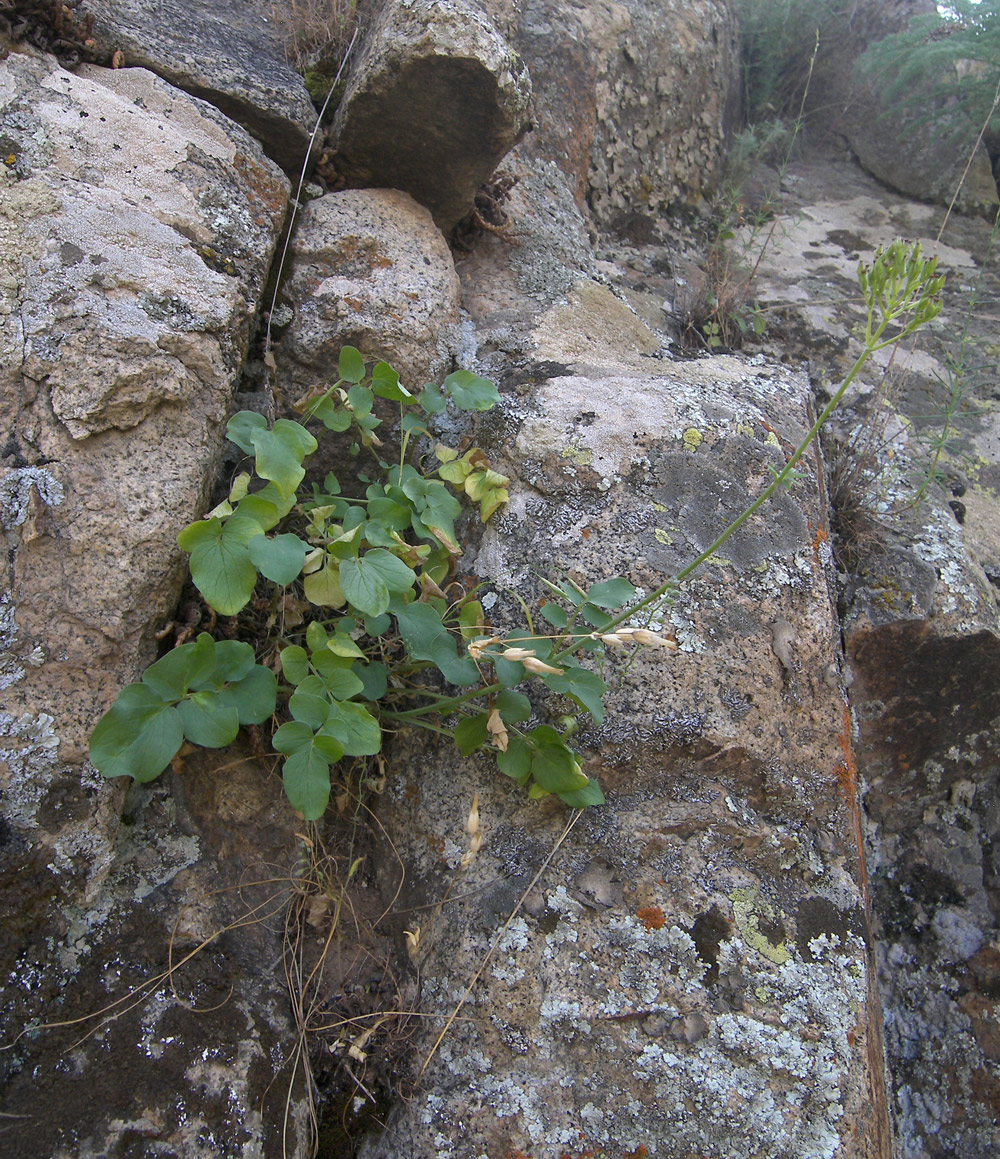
(699, 941)
(435, 99)
(138, 226)
(228, 52)
(921, 622)
(634, 101)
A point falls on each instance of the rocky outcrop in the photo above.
(694, 951)
(696, 966)
(646, 96)
(922, 636)
(228, 52)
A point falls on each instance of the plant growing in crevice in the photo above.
(392, 640)
(719, 311)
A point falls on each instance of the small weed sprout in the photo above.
(721, 313)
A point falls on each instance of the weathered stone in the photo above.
(229, 52)
(369, 269)
(433, 103)
(137, 227)
(694, 954)
(634, 102)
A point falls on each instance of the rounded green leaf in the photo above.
(351, 366)
(306, 775)
(292, 737)
(584, 686)
(242, 428)
(233, 661)
(374, 679)
(470, 392)
(590, 794)
(280, 558)
(364, 586)
(220, 562)
(513, 707)
(516, 761)
(353, 727)
(386, 384)
(138, 736)
(280, 453)
(172, 675)
(471, 733)
(310, 702)
(254, 697)
(341, 645)
(554, 766)
(612, 593)
(294, 663)
(208, 720)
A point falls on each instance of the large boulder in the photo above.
(368, 268)
(913, 152)
(689, 971)
(634, 101)
(433, 103)
(228, 52)
(138, 227)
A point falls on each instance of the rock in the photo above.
(907, 152)
(138, 226)
(228, 52)
(634, 102)
(433, 103)
(921, 624)
(731, 954)
(368, 269)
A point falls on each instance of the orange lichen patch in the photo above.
(652, 917)
(847, 769)
(819, 539)
(641, 1152)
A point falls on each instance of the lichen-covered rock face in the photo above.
(634, 101)
(693, 957)
(137, 228)
(229, 52)
(921, 621)
(434, 102)
(368, 268)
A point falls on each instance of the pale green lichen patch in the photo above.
(692, 439)
(750, 911)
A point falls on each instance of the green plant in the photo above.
(721, 313)
(384, 638)
(902, 293)
(387, 645)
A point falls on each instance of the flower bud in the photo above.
(533, 664)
